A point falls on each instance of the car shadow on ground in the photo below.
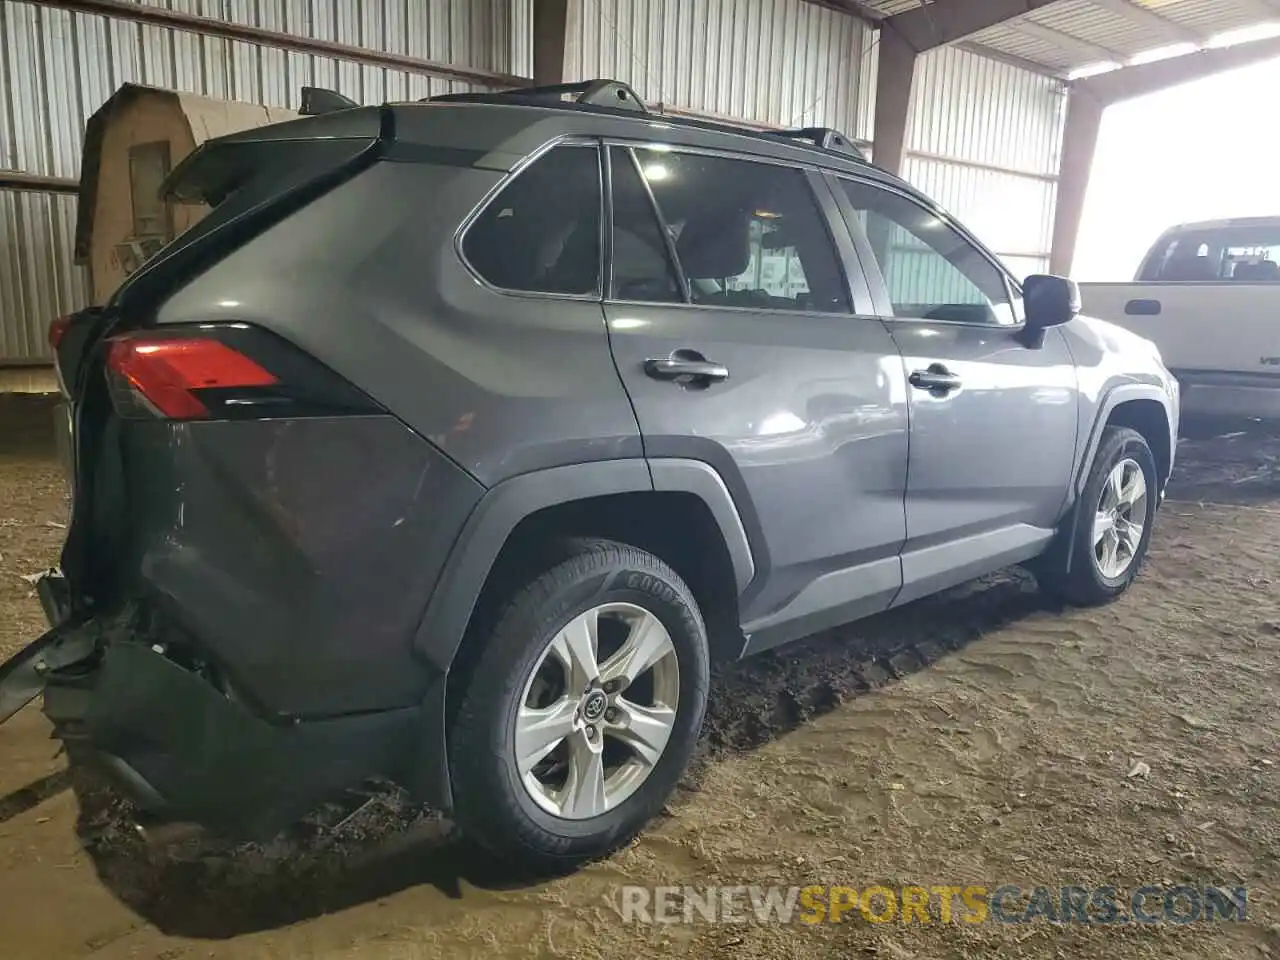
(378, 844)
(32, 795)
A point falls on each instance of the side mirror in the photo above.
(1049, 301)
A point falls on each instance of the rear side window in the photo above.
(746, 234)
(541, 233)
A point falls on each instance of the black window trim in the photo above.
(852, 269)
(875, 276)
(459, 236)
(834, 224)
(673, 258)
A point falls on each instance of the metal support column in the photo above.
(550, 27)
(895, 75)
(1089, 99)
(1079, 141)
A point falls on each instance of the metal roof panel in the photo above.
(1128, 28)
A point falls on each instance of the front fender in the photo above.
(1113, 398)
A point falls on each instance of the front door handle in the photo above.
(685, 370)
(937, 379)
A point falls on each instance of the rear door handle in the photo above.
(936, 379)
(688, 370)
(1142, 308)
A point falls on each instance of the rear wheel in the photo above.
(1118, 506)
(580, 713)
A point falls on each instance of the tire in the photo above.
(494, 803)
(1088, 581)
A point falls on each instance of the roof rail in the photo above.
(595, 93)
(617, 95)
(826, 138)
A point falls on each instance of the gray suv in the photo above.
(460, 437)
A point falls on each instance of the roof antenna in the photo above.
(319, 100)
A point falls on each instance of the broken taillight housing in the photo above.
(222, 372)
(168, 374)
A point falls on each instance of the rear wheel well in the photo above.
(678, 528)
(1149, 419)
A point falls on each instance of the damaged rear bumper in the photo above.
(182, 749)
(24, 675)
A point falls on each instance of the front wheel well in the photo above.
(1148, 417)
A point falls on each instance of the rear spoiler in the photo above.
(280, 167)
(214, 170)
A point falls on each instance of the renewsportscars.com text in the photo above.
(943, 903)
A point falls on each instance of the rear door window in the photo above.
(541, 233)
(642, 269)
(746, 234)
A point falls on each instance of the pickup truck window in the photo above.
(931, 270)
(1228, 254)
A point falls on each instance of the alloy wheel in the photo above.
(1119, 519)
(597, 711)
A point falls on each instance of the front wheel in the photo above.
(582, 709)
(1116, 511)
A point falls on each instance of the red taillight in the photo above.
(166, 371)
(57, 328)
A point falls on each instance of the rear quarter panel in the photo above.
(299, 554)
(367, 280)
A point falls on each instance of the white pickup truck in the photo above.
(1208, 295)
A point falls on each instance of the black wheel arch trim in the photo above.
(702, 480)
(480, 542)
(1062, 552)
(1117, 395)
(502, 508)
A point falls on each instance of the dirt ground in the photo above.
(980, 737)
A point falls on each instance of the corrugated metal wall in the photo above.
(983, 136)
(983, 139)
(37, 279)
(62, 66)
(782, 62)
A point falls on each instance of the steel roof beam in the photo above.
(936, 24)
(1144, 78)
(156, 16)
(1012, 59)
(903, 37)
(1137, 13)
(856, 8)
(1267, 9)
(1066, 41)
(1088, 99)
